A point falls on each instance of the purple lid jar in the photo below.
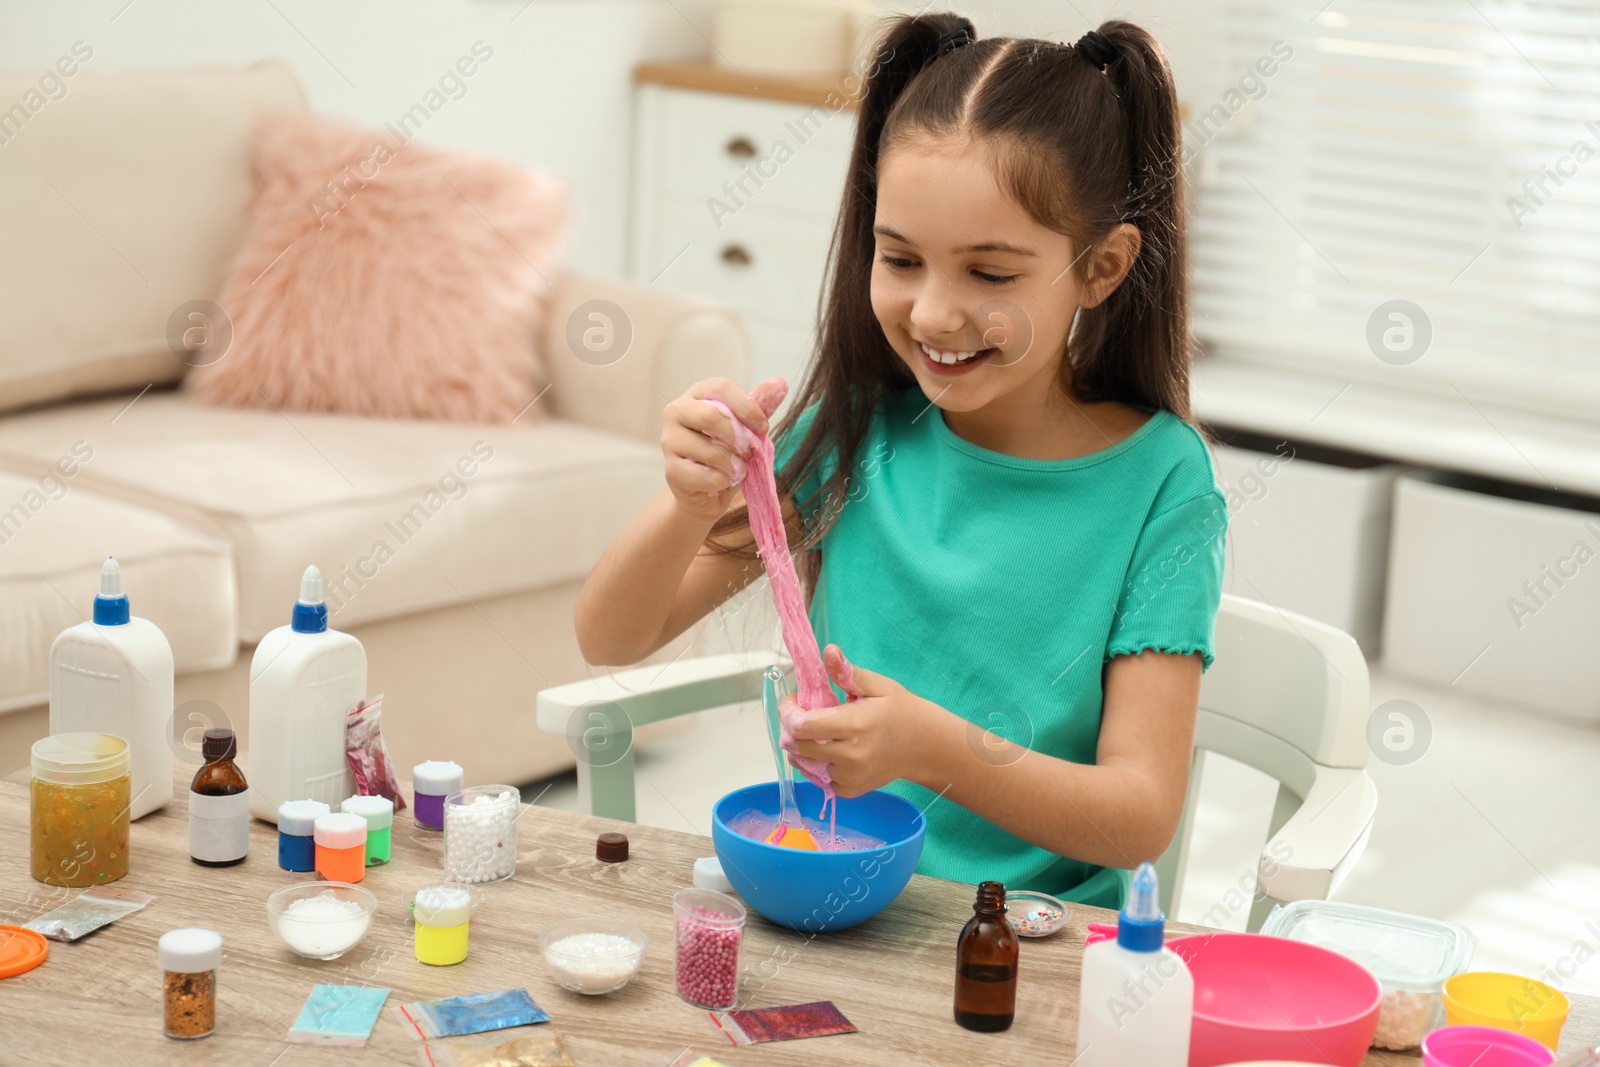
(431, 782)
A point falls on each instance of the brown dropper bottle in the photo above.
(219, 809)
(986, 964)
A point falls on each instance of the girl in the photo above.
(1023, 555)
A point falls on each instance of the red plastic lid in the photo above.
(21, 950)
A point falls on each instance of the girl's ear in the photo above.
(1109, 262)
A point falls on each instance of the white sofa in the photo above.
(125, 199)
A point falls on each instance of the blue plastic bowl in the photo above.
(816, 892)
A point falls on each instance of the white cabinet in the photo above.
(735, 198)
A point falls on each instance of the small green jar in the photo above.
(379, 815)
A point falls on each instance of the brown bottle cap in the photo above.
(218, 743)
(611, 847)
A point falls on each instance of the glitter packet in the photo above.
(688, 1057)
(368, 756)
(753, 1026)
(338, 1015)
(528, 1049)
(474, 1013)
(87, 912)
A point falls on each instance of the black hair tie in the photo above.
(950, 40)
(1097, 48)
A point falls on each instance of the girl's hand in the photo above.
(702, 466)
(869, 741)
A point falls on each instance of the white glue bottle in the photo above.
(304, 680)
(113, 675)
(1137, 996)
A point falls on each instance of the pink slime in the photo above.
(766, 525)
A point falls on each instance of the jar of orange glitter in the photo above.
(78, 810)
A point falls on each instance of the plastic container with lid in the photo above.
(297, 820)
(79, 802)
(341, 847)
(442, 914)
(190, 958)
(431, 782)
(1410, 956)
(379, 814)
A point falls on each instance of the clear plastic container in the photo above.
(78, 809)
(1410, 956)
(710, 926)
(480, 833)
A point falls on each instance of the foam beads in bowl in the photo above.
(1507, 1002)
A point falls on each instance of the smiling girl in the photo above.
(1023, 557)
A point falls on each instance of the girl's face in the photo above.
(961, 272)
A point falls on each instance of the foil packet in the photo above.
(87, 912)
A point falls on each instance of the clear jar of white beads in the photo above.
(480, 833)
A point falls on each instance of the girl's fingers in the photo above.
(842, 673)
(824, 725)
(769, 394)
(745, 409)
(690, 445)
(695, 477)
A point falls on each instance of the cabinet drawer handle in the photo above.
(741, 147)
(736, 256)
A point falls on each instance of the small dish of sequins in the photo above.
(1035, 914)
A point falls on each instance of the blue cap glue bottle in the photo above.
(1137, 996)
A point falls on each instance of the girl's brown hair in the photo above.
(1081, 149)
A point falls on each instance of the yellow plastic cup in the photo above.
(1508, 1002)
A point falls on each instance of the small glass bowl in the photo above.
(1035, 914)
(321, 939)
(601, 969)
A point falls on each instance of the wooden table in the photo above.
(98, 1001)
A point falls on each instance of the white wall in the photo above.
(557, 92)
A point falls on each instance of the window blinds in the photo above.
(1444, 153)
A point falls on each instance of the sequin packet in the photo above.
(688, 1057)
(474, 1013)
(753, 1026)
(338, 1015)
(525, 1049)
(87, 912)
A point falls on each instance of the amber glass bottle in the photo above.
(986, 964)
(219, 804)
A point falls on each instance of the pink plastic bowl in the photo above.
(1483, 1046)
(1269, 998)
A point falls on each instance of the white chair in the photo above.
(1286, 695)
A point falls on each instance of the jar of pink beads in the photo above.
(710, 927)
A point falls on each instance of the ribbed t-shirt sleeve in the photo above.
(1173, 587)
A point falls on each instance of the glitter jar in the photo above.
(341, 847)
(431, 782)
(480, 833)
(442, 914)
(78, 809)
(710, 926)
(190, 958)
(379, 815)
(297, 819)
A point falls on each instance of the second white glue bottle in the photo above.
(113, 675)
(304, 681)
(1137, 996)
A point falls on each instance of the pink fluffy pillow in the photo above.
(387, 278)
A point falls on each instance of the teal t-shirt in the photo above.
(998, 588)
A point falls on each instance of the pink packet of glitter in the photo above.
(751, 1026)
(368, 756)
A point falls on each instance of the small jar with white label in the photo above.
(219, 804)
(431, 782)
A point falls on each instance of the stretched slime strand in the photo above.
(766, 525)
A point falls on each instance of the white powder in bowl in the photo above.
(323, 926)
(593, 963)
